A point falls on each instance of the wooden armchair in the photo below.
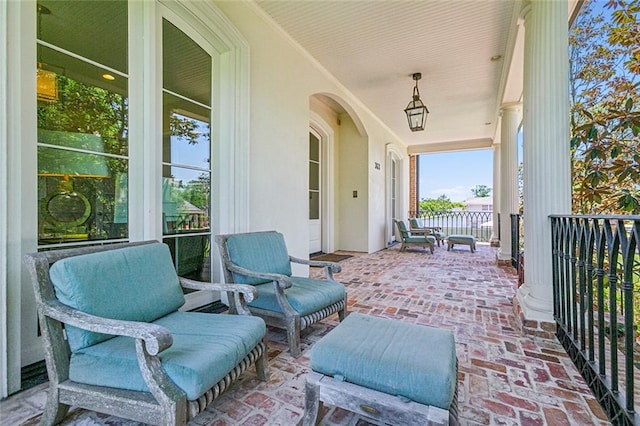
(436, 231)
(414, 239)
(116, 343)
(285, 301)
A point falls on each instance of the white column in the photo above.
(495, 241)
(547, 177)
(509, 199)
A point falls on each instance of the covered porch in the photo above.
(505, 377)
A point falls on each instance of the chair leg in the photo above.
(262, 363)
(312, 404)
(54, 411)
(342, 313)
(293, 335)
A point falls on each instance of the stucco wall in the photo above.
(282, 80)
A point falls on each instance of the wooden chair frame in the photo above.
(289, 320)
(165, 404)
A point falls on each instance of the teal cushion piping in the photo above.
(413, 361)
(306, 295)
(420, 239)
(205, 348)
(260, 252)
(134, 283)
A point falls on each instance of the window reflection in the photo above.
(82, 125)
(186, 152)
(185, 200)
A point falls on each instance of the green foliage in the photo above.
(88, 109)
(481, 191)
(605, 109)
(440, 204)
(197, 192)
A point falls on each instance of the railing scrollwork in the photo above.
(596, 288)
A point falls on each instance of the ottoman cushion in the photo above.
(413, 361)
(462, 239)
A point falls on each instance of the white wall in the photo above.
(283, 77)
(353, 219)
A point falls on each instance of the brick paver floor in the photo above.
(505, 378)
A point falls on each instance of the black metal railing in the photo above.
(516, 250)
(596, 289)
(476, 223)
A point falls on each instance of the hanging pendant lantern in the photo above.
(416, 111)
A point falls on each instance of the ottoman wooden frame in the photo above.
(370, 403)
(348, 371)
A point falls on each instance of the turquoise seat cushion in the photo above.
(409, 360)
(307, 295)
(260, 252)
(134, 283)
(420, 239)
(205, 348)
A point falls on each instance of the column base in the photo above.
(532, 327)
(503, 262)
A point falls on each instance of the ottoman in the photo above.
(468, 240)
(386, 370)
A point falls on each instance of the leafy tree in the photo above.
(197, 192)
(481, 191)
(438, 205)
(605, 108)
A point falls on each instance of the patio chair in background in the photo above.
(414, 239)
(285, 301)
(436, 231)
(116, 343)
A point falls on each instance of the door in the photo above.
(315, 193)
(394, 199)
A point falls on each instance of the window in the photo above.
(186, 152)
(82, 92)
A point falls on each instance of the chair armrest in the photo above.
(150, 340)
(282, 280)
(156, 338)
(248, 291)
(329, 267)
(241, 293)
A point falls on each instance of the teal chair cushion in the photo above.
(462, 239)
(409, 360)
(205, 348)
(260, 252)
(135, 283)
(307, 295)
(420, 239)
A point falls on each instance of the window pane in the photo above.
(186, 138)
(314, 205)
(314, 176)
(314, 148)
(185, 200)
(83, 203)
(186, 67)
(191, 256)
(96, 30)
(85, 103)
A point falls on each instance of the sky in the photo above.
(455, 173)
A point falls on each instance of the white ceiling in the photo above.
(373, 46)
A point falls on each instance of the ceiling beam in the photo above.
(462, 145)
